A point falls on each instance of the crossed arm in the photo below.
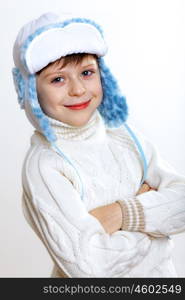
(110, 216)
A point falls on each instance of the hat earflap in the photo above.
(20, 85)
(113, 107)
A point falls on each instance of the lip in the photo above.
(78, 106)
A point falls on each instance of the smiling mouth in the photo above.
(78, 104)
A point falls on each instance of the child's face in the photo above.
(58, 87)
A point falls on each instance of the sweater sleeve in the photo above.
(162, 212)
(75, 240)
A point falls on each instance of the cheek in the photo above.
(96, 88)
(44, 98)
(99, 90)
(50, 98)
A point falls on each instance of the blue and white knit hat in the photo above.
(48, 38)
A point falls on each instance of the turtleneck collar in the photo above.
(64, 131)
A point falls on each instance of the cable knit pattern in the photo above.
(111, 170)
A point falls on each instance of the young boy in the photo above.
(83, 191)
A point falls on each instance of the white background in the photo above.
(146, 53)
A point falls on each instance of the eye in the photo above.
(58, 80)
(87, 73)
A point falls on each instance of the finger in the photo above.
(144, 188)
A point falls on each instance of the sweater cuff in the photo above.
(133, 215)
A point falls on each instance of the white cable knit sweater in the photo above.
(110, 167)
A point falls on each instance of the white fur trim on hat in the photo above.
(50, 37)
(57, 42)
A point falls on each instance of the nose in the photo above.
(76, 88)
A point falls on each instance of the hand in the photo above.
(110, 216)
(145, 188)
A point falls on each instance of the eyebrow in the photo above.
(88, 65)
(59, 71)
